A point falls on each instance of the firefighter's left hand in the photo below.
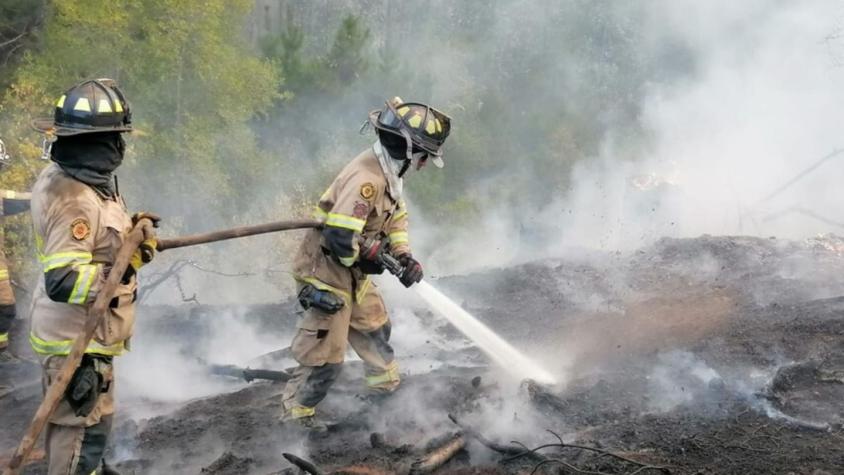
(412, 270)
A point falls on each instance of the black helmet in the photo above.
(421, 125)
(96, 105)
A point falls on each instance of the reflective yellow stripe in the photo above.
(391, 375)
(4, 274)
(298, 412)
(401, 214)
(87, 273)
(399, 237)
(348, 261)
(363, 286)
(4, 337)
(64, 259)
(62, 347)
(319, 213)
(323, 286)
(346, 222)
(9, 195)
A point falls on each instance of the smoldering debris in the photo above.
(686, 371)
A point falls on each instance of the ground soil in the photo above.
(691, 356)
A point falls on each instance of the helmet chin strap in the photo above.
(404, 168)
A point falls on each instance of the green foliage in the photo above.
(193, 83)
(329, 73)
(19, 23)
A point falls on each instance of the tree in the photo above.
(193, 84)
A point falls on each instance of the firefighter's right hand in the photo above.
(369, 260)
(143, 255)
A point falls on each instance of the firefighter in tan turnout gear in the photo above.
(11, 202)
(364, 215)
(79, 222)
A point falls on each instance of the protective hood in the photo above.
(391, 168)
(91, 158)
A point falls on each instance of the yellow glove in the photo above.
(144, 253)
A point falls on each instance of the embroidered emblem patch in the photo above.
(80, 229)
(367, 191)
(361, 210)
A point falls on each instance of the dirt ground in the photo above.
(713, 355)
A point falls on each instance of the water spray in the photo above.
(501, 352)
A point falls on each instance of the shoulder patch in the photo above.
(367, 191)
(361, 210)
(80, 229)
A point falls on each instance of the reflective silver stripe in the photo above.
(62, 347)
(319, 213)
(346, 222)
(399, 237)
(82, 287)
(64, 259)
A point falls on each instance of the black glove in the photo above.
(324, 300)
(412, 270)
(84, 388)
(369, 260)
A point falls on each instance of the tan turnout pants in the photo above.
(75, 445)
(320, 348)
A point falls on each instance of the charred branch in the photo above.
(303, 464)
(496, 447)
(439, 456)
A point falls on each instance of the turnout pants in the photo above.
(75, 445)
(320, 347)
(7, 303)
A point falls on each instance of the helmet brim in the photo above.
(46, 125)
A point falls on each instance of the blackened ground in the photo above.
(709, 355)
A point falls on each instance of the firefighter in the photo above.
(10, 203)
(364, 215)
(79, 221)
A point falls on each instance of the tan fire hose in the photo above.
(98, 310)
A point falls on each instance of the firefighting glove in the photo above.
(369, 260)
(150, 216)
(412, 273)
(143, 255)
(323, 300)
(84, 387)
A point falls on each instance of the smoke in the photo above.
(722, 146)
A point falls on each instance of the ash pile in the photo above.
(708, 355)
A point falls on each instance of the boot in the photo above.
(304, 417)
